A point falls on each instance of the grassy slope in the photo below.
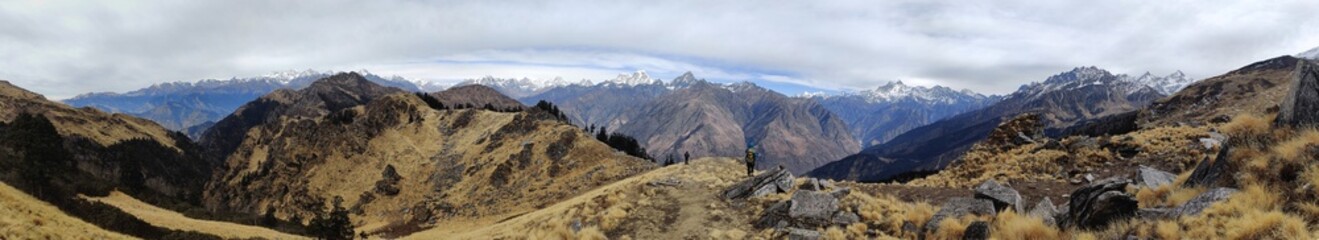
(630, 207)
(25, 217)
(173, 220)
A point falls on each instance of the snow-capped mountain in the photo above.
(634, 79)
(1081, 77)
(1312, 54)
(1167, 85)
(897, 91)
(875, 116)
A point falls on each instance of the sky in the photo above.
(64, 48)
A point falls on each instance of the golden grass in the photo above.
(1010, 225)
(165, 218)
(25, 217)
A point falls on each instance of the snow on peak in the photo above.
(1313, 54)
(898, 91)
(1167, 85)
(1091, 76)
(287, 76)
(637, 78)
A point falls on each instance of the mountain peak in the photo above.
(636, 78)
(1313, 54)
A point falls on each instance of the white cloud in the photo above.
(63, 48)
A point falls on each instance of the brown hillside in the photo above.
(25, 217)
(1254, 89)
(446, 165)
(477, 96)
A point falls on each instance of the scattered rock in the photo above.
(1204, 200)
(1099, 203)
(812, 208)
(1003, 197)
(1089, 177)
(1300, 109)
(388, 184)
(772, 181)
(1046, 211)
(826, 183)
(909, 228)
(978, 230)
(802, 234)
(1054, 145)
(1152, 178)
(776, 216)
(958, 207)
(1210, 173)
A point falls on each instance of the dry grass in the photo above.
(165, 218)
(25, 217)
(1010, 225)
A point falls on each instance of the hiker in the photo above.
(751, 159)
(687, 158)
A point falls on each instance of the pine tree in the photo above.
(333, 225)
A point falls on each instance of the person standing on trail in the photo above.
(751, 160)
(687, 158)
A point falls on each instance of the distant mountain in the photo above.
(690, 115)
(1166, 85)
(877, 115)
(1061, 100)
(180, 105)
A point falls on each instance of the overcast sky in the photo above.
(65, 48)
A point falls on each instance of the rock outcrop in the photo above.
(772, 181)
(1211, 173)
(1301, 106)
(1203, 201)
(1148, 177)
(1099, 204)
(1045, 210)
(1003, 197)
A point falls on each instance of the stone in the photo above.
(1200, 202)
(768, 182)
(839, 193)
(1003, 197)
(1148, 177)
(958, 207)
(1100, 203)
(978, 230)
(776, 216)
(1154, 213)
(1210, 143)
(802, 234)
(1300, 108)
(1210, 173)
(1045, 210)
(826, 183)
(812, 209)
(845, 218)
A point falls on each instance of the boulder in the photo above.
(1098, 204)
(1003, 197)
(812, 209)
(1152, 178)
(769, 182)
(1045, 210)
(1300, 108)
(978, 230)
(802, 234)
(776, 216)
(844, 218)
(958, 207)
(1210, 173)
(839, 193)
(1203, 201)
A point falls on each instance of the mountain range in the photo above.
(877, 115)
(1063, 100)
(182, 105)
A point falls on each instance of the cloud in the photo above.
(64, 48)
